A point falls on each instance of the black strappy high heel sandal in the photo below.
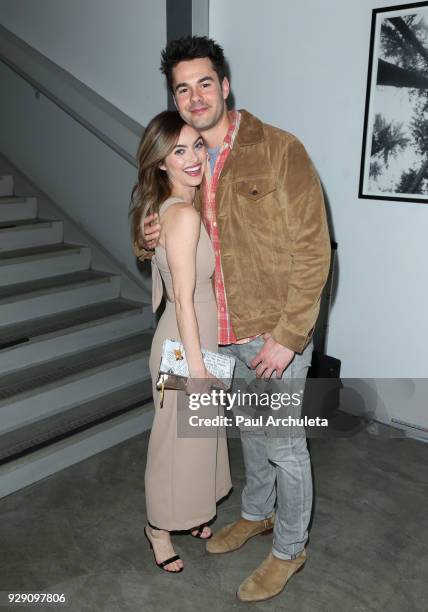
(199, 532)
(161, 565)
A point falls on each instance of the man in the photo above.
(263, 208)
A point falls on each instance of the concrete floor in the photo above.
(80, 532)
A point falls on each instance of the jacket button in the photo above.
(254, 192)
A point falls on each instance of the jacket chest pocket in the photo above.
(255, 190)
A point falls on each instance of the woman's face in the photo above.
(185, 165)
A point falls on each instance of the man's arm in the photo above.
(302, 204)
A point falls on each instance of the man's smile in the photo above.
(198, 110)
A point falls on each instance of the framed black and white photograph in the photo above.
(394, 162)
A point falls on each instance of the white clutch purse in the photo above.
(174, 371)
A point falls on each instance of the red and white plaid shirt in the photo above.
(226, 334)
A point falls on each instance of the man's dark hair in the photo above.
(189, 48)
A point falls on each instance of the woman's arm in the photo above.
(181, 228)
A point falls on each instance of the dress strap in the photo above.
(169, 202)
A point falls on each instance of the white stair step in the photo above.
(55, 295)
(28, 233)
(15, 208)
(42, 262)
(43, 390)
(47, 431)
(32, 467)
(45, 338)
(6, 185)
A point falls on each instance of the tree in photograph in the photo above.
(388, 139)
(419, 131)
(406, 181)
(394, 76)
(375, 170)
(394, 47)
(415, 180)
(404, 63)
(416, 44)
(406, 44)
(419, 183)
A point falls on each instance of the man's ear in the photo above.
(225, 86)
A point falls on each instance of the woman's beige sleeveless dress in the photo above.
(185, 477)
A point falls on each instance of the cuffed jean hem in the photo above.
(285, 557)
(256, 517)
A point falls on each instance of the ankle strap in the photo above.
(153, 527)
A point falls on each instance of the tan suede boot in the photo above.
(233, 536)
(270, 578)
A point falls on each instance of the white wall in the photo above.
(303, 66)
(113, 47)
(88, 180)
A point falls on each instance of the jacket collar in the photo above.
(250, 130)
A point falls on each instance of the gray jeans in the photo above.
(278, 469)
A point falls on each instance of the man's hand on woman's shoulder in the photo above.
(150, 232)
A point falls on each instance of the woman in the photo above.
(185, 477)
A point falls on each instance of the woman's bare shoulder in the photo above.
(180, 212)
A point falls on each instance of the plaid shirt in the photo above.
(209, 209)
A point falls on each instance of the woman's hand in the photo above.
(203, 382)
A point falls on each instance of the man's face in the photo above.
(199, 96)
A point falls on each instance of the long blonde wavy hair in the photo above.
(152, 187)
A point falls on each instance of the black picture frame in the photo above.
(394, 158)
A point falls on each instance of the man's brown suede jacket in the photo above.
(275, 246)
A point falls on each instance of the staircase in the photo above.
(74, 375)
